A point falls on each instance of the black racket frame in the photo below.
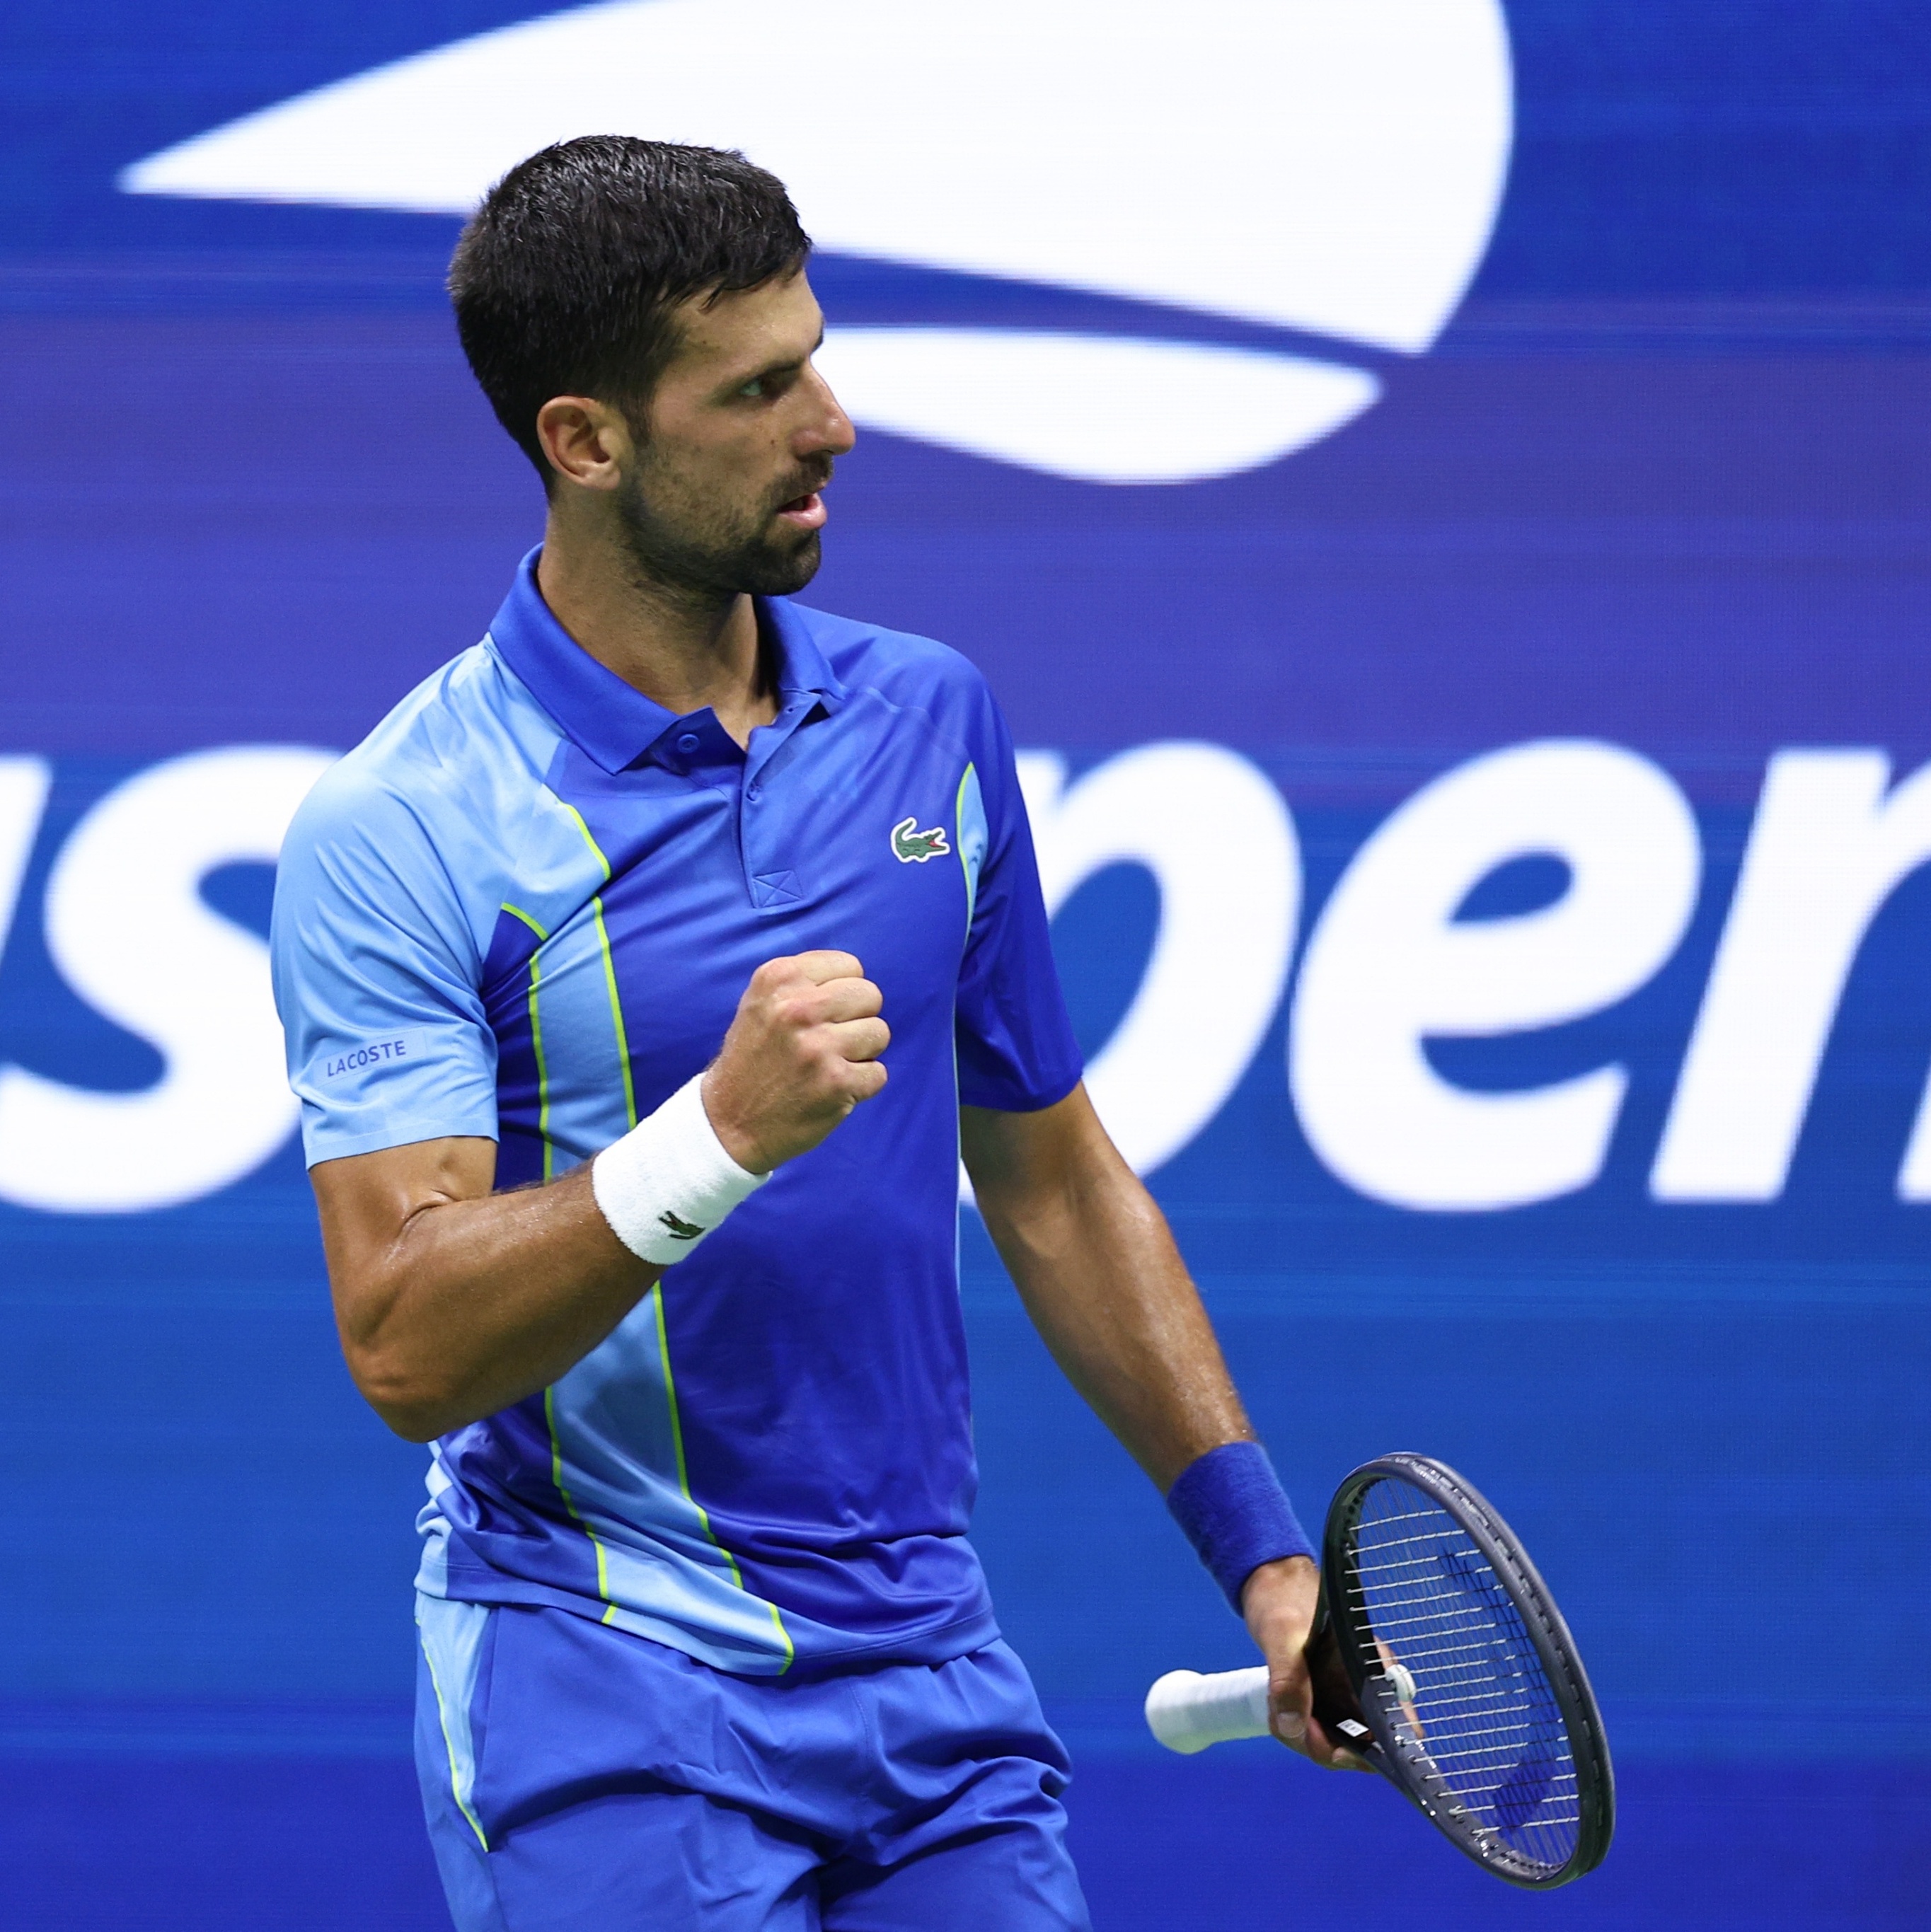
(1351, 1692)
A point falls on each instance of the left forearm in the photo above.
(1099, 1271)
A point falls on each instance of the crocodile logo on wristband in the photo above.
(680, 1231)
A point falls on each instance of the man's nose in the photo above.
(833, 433)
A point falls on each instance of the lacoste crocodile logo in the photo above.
(680, 1231)
(911, 847)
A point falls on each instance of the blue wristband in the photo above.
(1235, 1514)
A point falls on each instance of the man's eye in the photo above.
(756, 387)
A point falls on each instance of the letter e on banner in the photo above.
(1388, 968)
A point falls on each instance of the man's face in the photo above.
(740, 440)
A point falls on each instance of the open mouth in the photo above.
(807, 512)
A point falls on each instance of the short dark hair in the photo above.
(565, 278)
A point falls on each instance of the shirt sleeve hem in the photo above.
(1035, 1100)
(319, 1148)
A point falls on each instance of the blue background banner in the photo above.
(1489, 884)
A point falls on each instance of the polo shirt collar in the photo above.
(612, 723)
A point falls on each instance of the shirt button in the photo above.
(688, 741)
(754, 794)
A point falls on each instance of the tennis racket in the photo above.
(1440, 1659)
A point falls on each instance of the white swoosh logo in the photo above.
(1099, 408)
(1331, 167)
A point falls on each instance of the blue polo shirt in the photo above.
(525, 908)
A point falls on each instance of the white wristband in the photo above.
(669, 1182)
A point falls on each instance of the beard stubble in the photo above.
(694, 550)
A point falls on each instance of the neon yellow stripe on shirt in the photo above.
(536, 1044)
(616, 1013)
(609, 966)
(684, 1480)
(569, 1503)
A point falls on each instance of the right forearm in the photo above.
(477, 1303)
(454, 1301)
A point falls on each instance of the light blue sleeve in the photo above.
(377, 976)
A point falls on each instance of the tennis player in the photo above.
(644, 974)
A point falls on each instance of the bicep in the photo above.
(367, 1201)
(1022, 1162)
(994, 1145)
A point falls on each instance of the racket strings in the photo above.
(1484, 1713)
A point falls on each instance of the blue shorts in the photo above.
(576, 1777)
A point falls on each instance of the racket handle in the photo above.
(1186, 1711)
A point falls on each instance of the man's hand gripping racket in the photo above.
(1439, 1659)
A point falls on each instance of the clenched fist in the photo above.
(802, 1052)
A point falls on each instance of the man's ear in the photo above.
(586, 442)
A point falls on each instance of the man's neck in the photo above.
(681, 651)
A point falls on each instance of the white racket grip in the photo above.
(1188, 1711)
